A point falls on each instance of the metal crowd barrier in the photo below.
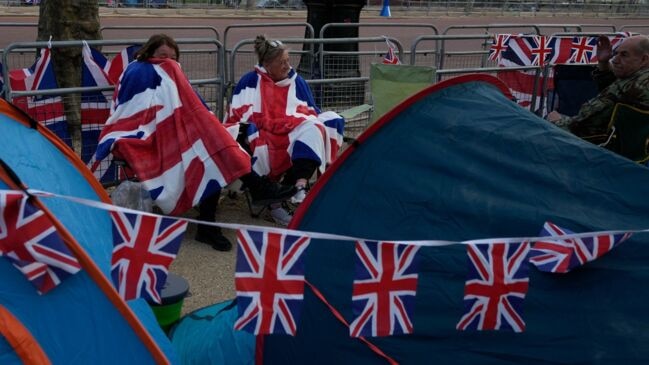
(85, 109)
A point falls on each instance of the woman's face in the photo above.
(164, 51)
(279, 67)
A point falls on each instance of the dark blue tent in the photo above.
(460, 161)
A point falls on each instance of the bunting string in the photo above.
(322, 235)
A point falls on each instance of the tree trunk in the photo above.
(69, 20)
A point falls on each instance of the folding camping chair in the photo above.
(573, 86)
(389, 86)
(629, 132)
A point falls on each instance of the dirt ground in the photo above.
(210, 273)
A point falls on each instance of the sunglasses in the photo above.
(275, 44)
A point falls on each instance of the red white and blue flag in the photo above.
(498, 46)
(47, 110)
(584, 50)
(384, 289)
(144, 247)
(284, 122)
(496, 286)
(117, 65)
(391, 57)
(560, 255)
(177, 148)
(269, 281)
(30, 241)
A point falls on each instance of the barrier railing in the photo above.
(77, 114)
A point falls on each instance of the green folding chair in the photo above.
(390, 85)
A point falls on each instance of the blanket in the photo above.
(284, 122)
(176, 147)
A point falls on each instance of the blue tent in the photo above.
(76, 322)
(460, 161)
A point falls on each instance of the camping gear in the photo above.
(461, 161)
(82, 320)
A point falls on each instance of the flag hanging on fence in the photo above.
(30, 241)
(384, 289)
(47, 110)
(95, 109)
(144, 247)
(117, 65)
(496, 286)
(562, 255)
(269, 281)
(391, 57)
(583, 50)
(498, 46)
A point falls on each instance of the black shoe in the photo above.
(214, 237)
(268, 192)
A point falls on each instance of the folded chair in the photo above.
(390, 85)
(629, 132)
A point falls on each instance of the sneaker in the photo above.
(299, 196)
(213, 236)
(281, 216)
(268, 192)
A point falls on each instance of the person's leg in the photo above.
(298, 175)
(211, 235)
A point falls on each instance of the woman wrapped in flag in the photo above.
(179, 150)
(290, 138)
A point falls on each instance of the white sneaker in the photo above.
(299, 196)
(281, 216)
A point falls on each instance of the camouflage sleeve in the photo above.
(603, 78)
(597, 110)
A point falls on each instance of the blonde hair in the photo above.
(268, 50)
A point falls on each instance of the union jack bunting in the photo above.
(498, 45)
(583, 50)
(562, 255)
(496, 287)
(30, 241)
(269, 281)
(143, 249)
(390, 57)
(384, 289)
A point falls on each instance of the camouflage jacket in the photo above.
(594, 115)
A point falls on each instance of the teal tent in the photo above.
(460, 161)
(76, 322)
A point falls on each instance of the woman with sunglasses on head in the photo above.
(176, 147)
(290, 138)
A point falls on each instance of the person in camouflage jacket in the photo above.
(625, 79)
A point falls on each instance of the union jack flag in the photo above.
(176, 147)
(390, 57)
(30, 241)
(117, 65)
(385, 285)
(47, 110)
(562, 255)
(498, 45)
(528, 50)
(269, 280)
(583, 49)
(144, 248)
(496, 286)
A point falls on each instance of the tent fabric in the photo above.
(75, 323)
(207, 336)
(460, 161)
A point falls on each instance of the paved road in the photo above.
(222, 18)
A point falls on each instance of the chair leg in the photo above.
(255, 211)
